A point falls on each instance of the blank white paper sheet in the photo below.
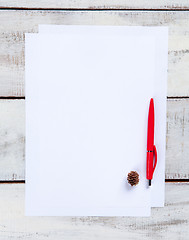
(87, 99)
(161, 54)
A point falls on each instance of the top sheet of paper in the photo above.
(91, 96)
(161, 38)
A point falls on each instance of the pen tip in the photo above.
(149, 182)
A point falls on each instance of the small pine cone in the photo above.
(133, 178)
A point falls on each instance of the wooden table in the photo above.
(19, 17)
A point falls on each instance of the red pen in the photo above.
(151, 149)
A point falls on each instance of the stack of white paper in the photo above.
(87, 97)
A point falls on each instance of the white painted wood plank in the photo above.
(12, 139)
(14, 24)
(170, 222)
(97, 4)
(177, 147)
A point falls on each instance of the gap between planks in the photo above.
(96, 9)
(11, 98)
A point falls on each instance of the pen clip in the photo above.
(155, 153)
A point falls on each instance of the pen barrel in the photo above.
(149, 165)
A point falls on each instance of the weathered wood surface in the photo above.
(14, 24)
(177, 147)
(97, 4)
(12, 139)
(170, 222)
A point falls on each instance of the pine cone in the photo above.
(133, 178)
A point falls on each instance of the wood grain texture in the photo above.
(170, 222)
(14, 24)
(97, 4)
(12, 139)
(177, 147)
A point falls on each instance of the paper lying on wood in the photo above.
(87, 100)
